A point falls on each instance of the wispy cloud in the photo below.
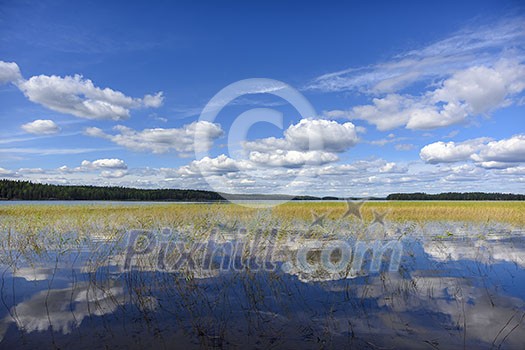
(18, 138)
(51, 151)
(468, 47)
(262, 101)
(22, 23)
(474, 91)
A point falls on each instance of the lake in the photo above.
(345, 283)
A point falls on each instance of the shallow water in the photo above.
(458, 290)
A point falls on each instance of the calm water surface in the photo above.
(450, 292)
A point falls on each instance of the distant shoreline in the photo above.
(27, 191)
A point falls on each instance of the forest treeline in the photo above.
(25, 190)
(456, 196)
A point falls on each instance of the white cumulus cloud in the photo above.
(9, 72)
(117, 174)
(484, 152)
(309, 142)
(449, 152)
(41, 127)
(7, 173)
(474, 91)
(310, 135)
(284, 158)
(506, 150)
(160, 140)
(76, 95)
(213, 166)
(80, 97)
(112, 163)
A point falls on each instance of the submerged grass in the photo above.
(36, 217)
(29, 232)
(419, 211)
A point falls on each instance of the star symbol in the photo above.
(353, 208)
(318, 220)
(379, 218)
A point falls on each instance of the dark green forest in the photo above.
(456, 196)
(25, 190)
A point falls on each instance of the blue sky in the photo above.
(408, 96)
